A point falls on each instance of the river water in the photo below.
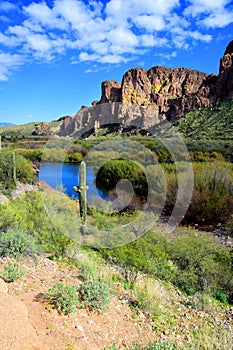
(65, 175)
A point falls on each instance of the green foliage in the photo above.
(92, 294)
(193, 262)
(212, 199)
(12, 271)
(147, 254)
(75, 157)
(65, 298)
(209, 123)
(221, 296)
(24, 171)
(202, 265)
(95, 294)
(154, 346)
(46, 216)
(16, 244)
(115, 170)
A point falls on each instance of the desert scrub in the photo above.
(95, 295)
(65, 298)
(12, 271)
(16, 244)
(153, 346)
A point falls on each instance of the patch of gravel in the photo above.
(22, 188)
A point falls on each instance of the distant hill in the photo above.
(31, 129)
(4, 124)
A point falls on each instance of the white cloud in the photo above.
(109, 32)
(19, 31)
(149, 40)
(7, 6)
(8, 63)
(205, 6)
(150, 23)
(4, 18)
(74, 12)
(84, 56)
(42, 14)
(9, 41)
(168, 56)
(211, 13)
(218, 20)
(122, 37)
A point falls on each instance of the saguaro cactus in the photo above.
(82, 190)
(14, 167)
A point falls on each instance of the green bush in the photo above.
(65, 298)
(154, 346)
(212, 196)
(16, 244)
(202, 265)
(221, 296)
(147, 254)
(74, 157)
(117, 169)
(24, 170)
(48, 217)
(94, 294)
(12, 271)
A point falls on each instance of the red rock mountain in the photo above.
(148, 96)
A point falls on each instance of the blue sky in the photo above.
(54, 54)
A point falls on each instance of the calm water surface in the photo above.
(57, 174)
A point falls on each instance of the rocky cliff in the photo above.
(148, 96)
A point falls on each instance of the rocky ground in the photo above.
(28, 322)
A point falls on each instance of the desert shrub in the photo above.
(16, 244)
(74, 157)
(117, 169)
(47, 217)
(154, 346)
(31, 154)
(202, 265)
(12, 271)
(147, 254)
(221, 296)
(212, 196)
(24, 170)
(94, 294)
(65, 298)
(212, 200)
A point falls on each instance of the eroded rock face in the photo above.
(225, 79)
(111, 91)
(40, 129)
(156, 94)
(173, 91)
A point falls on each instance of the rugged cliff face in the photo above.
(148, 96)
(225, 79)
(172, 91)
